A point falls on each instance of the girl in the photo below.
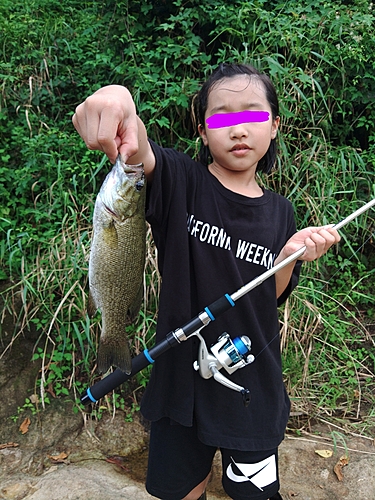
(215, 229)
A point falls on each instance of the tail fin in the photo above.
(114, 353)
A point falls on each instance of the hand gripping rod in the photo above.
(173, 338)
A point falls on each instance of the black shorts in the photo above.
(179, 461)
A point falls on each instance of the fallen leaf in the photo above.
(24, 427)
(51, 391)
(34, 399)
(324, 453)
(344, 460)
(61, 458)
(8, 445)
(338, 471)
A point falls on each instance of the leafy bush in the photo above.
(320, 57)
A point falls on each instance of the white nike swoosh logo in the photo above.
(260, 474)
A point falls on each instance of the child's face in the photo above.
(238, 147)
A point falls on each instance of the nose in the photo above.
(238, 131)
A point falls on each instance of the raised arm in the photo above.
(107, 121)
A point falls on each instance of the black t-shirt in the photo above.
(210, 242)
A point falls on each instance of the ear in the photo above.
(275, 127)
(202, 133)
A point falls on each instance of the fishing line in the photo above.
(269, 343)
(352, 256)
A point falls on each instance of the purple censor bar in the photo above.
(230, 119)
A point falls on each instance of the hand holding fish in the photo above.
(107, 121)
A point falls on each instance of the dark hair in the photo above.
(200, 101)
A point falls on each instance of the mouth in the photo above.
(240, 147)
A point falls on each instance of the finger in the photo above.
(86, 125)
(335, 234)
(332, 231)
(330, 234)
(321, 243)
(103, 132)
(320, 240)
(128, 134)
(76, 120)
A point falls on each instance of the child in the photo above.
(215, 229)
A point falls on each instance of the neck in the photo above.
(241, 182)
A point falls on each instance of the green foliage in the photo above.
(320, 57)
(28, 406)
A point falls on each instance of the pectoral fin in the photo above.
(110, 235)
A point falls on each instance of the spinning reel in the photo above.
(228, 354)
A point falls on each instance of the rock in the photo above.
(94, 481)
(16, 491)
(17, 372)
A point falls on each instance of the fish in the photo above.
(117, 260)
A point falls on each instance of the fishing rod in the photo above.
(226, 353)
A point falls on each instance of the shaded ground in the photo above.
(60, 457)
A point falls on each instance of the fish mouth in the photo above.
(135, 173)
(133, 169)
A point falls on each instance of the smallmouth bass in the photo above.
(117, 260)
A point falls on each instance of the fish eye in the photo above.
(139, 185)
